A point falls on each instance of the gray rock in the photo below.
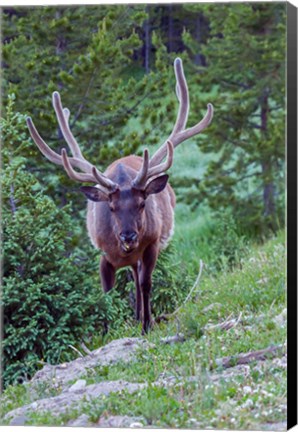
(66, 400)
(120, 349)
(281, 319)
(78, 385)
(82, 421)
(281, 426)
(121, 421)
(19, 421)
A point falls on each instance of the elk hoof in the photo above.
(147, 326)
(161, 318)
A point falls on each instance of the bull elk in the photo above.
(130, 210)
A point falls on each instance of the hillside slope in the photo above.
(219, 362)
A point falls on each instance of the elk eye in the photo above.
(112, 209)
(142, 205)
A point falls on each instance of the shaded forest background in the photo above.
(113, 66)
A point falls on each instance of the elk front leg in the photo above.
(107, 274)
(148, 264)
(138, 309)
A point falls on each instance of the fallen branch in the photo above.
(179, 337)
(226, 325)
(261, 355)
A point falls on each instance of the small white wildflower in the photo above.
(247, 389)
(192, 420)
(265, 393)
(263, 280)
(248, 403)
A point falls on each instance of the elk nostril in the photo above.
(134, 236)
(129, 236)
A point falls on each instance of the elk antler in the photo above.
(146, 172)
(179, 133)
(90, 172)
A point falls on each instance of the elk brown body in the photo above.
(130, 210)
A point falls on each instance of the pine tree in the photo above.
(85, 54)
(245, 56)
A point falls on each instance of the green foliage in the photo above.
(50, 298)
(245, 74)
(227, 246)
(98, 60)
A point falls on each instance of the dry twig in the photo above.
(165, 317)
(226, 325)
(76, 350)
(85, 349)
(272, 351)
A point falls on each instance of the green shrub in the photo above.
(50, 296)
(226, 244)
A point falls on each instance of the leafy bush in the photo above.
(226, 243)
(50, 296)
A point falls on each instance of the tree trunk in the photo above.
(147, 43)
(197, 59)
(268, 185)
(171, 29)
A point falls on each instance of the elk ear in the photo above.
(94, 194)
(156, 185)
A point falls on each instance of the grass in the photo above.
(240, 398)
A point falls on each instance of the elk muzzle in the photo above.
(129, 240)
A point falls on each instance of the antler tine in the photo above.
(182, 96)
(66, 113)
(141, 178)
(82, 177)
(104, 181)
(179, 133)
(62, 117)
(195, 130)
(50, 154)
(145, 172)
(163, 167)
(90, 172)
(41, 144)
(94, 177)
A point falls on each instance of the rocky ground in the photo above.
(73, 388)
